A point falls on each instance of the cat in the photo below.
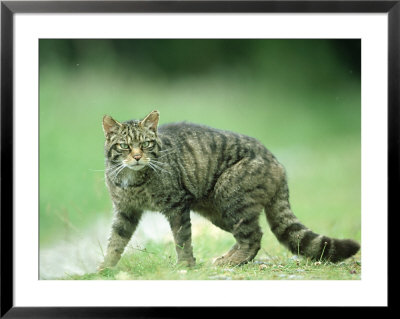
(226, 177)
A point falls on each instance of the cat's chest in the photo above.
(138, 197)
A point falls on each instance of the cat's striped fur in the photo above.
(229, 178)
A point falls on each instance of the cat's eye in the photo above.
(146, 144)
(124, 146)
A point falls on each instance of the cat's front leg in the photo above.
(181, 227)
(124, 224)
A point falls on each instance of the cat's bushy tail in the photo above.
(301, 240)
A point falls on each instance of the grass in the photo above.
(146, 268)
(157, 261)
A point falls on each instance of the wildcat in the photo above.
(226, 177)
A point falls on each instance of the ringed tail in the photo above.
(301, 240)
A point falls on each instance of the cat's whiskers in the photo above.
(164, 155)
(158, 162)
(120, 170)
(162, 169)
(155, 165)
(153, 168)
(158, 169)
(114, 170)
(166, 152)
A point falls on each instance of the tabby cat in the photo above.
(226, 177)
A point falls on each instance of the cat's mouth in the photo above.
(136, 166)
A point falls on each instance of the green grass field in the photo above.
(311, 121)
(157, 261)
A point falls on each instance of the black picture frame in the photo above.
(9, 8)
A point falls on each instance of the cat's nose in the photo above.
(137, 157)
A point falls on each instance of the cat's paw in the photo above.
(226, 258)
(108, 263)
(219, 261)
(101, 267)
(189, 262)
(236, 258)
(223, 261)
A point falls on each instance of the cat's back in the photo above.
(186, 130)
(203, 140)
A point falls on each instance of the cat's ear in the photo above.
(151, 121)
(109, 125)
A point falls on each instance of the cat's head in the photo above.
(133, 143)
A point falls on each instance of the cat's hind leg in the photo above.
(239, 197)
(248, 243)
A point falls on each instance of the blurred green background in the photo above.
(301, 98)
